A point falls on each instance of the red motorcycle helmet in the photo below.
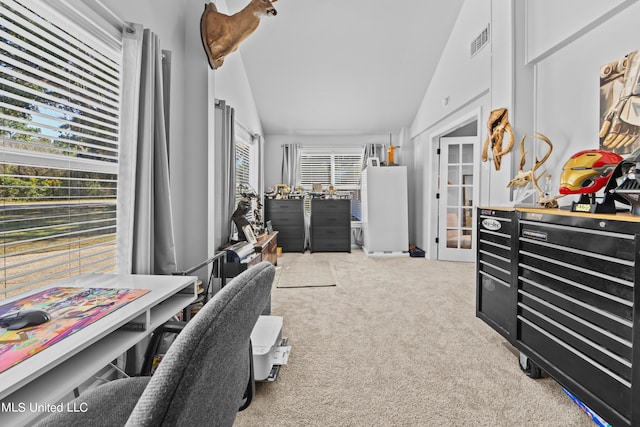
(588, 171)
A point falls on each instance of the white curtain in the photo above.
(260, 141)
(146, 242)
(291, 165)
(225, 189)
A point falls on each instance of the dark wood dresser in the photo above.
(266, 245)
(330, 225)
(287, 217)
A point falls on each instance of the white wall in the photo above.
(567, 101)
(232, 85)
(552, 24)
(194, 87)
(188, 131)
(473, 86)
(458, 77)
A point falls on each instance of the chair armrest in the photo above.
(171, 327)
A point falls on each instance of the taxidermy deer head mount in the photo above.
(222, 34)
(523, 178)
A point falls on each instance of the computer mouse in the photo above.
(22, 318)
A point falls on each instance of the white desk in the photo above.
(51, 374)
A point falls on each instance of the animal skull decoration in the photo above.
(222, 34)
(498, 124)
(523, 178)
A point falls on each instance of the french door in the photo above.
(457, 182)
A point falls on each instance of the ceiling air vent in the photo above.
(481, 41)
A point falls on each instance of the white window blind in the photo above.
(59, 125)
(243, 162)
(346, 170)
(315, 169)
(244, 174)
(339, 167)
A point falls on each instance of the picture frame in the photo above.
(373, 162)
(248, 233)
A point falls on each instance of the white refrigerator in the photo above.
(385, 211)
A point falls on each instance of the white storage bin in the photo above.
(265, 338)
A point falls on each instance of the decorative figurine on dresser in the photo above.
(239, 218)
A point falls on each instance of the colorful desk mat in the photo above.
(71, 309)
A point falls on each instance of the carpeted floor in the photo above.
(396, 343)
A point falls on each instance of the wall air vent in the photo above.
(481, 41)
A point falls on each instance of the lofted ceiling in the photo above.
(344, 67)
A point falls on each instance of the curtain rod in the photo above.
(108, 14)
(251, 133)
(334, 147)
(104, 12)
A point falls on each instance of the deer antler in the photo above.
(547, 201)
(539, 163)
(523, 178)
(523, 154)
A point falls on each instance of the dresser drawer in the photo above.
(330, 245)
(290, 233)
(331, 231)
(284, 210)
(291, 245)
(330, 218)
(272, 205)
(280, 217)
(338, 206)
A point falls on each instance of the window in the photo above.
(59, 124)
(247, 170)
(338, 167)
(243, 162)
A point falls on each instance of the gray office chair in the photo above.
(204, 375)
